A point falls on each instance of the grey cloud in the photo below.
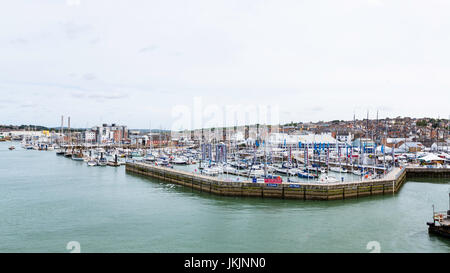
(19, 41)
(316, 108)
(74, 30)
(28, 105)
(148, 49)
(108, 96)
(89, 76)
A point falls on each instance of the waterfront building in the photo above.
(111, 133)
(345, 137)
(411, 147)
(281, 139)
(89, 136)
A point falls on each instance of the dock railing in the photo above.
(440, 216)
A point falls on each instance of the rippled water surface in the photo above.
(47, 201)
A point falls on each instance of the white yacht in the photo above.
(229, 170)
(180, 160)
(212, 171)
(92, 163)
(338, 169)
(328, 179)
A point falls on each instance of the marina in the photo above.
(42, 212)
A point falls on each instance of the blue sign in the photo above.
(272, 185)
(294, 186)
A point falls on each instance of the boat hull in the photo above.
(443, 231)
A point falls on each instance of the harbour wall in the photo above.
(303, 191)
(412, 172)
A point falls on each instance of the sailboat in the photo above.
(78, 156)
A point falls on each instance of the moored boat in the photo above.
(441, 223)
(338, 169)
(92, 163)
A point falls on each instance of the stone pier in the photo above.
(390, 184)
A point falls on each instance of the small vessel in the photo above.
(213, 171)
(113, 163)
(180, 160)
(338, 169)
(11, 148)
(92, 163)
(102, 161)
(78, 156)
(304, 174)
(68, 154)
(284, 171)
(149, 158)
(229, 170)
(327, 179)
(257, 173)
(441, 222)
(293, 172)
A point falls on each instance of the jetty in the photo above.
(389, 184)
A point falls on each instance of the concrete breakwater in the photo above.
(417, 172)
(304, 191)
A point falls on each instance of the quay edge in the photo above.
(303, 191)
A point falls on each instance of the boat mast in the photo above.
(68, 128)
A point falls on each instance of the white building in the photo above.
(90, 136)
(307, 139)
(346, 138)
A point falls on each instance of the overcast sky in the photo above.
(132, 62)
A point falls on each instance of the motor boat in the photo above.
(338, 169)
(113, 163)
(181, 160)
(213, 171)
(229, 170)
(92, 163)
(304, 174)
(149, 158)
(282, 171)
(256, 173)
(77, 157)
(293, 172)
(327, 179)
(102, 161)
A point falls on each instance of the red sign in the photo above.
(277, 180)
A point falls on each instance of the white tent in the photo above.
(387, 150)
(431, 157)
